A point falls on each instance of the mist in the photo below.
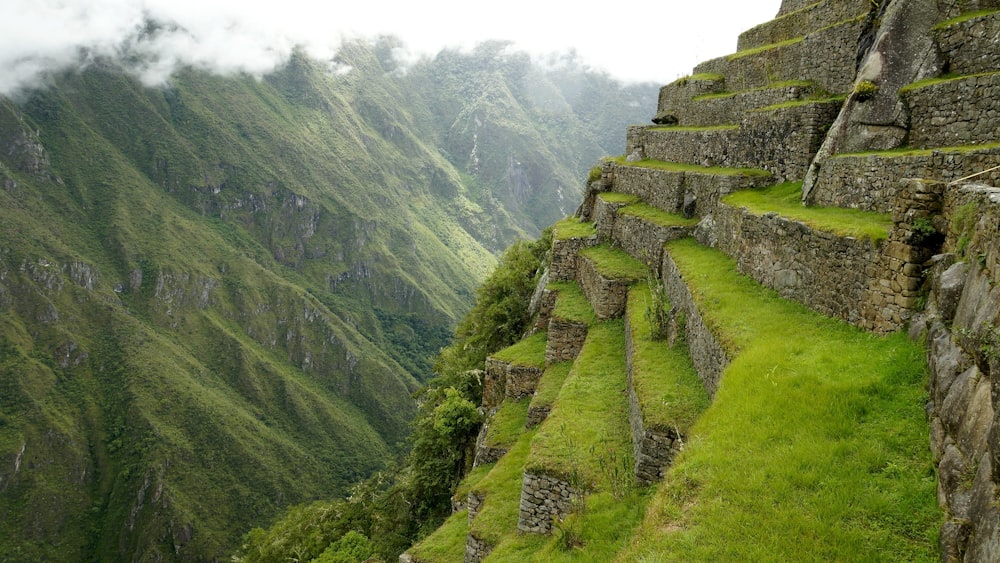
(157, 37)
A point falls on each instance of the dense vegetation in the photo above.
(391, 510)
(218, 297)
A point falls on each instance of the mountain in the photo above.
(217, 297)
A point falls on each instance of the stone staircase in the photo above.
(785, 114)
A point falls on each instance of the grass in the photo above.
(508, 423)
(571, 227)
(590, 414)
(944, 78)
(772, 86)
(749, 52)
(617, 197)
(671, 395)
(907, 151)
(799, 103)
(657, 216)
(615, 263)
(693, 128)
(572, 304)
(529, 352)
(785, 200)
(501, 489)
(691, 168)
(814, 448)
(964, 17)
(709, 76)
(447, 543)
(550, 384)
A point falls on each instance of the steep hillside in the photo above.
(217, 297)
(740, 322)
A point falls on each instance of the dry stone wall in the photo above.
(781, 141)
(969, 47)
(871, 182)
(730, 108)
(707, 354)
(543, 499)
(653, 449)
(812, 15)
(564, 340)
(506, 380)
(476, 550)
(564, 256)
(960, 326)
(643, 239)
(606, 295)
(827, 273)
(668, 190)
(961, 111)
(835, 45)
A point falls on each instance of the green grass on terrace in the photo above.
(839, 98)
(590, 416)
(571, 227)
(772, 86)
(964, 17)
(704, 76)
(942, 79)
(691, 168)
(615, 263)
(907, 151)
(693, 128)
(447, 543)
(671, 395)
(617, 197)
(571, 303)
(508, 423)
(762, 48)
(658, 216)
(528, 352)
(815, 447)
(550, 384)
(785, 200)
(501, 489)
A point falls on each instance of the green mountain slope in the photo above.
(216, 298)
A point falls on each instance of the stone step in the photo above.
(676, 97)
(789, 25)
(665, 393)
(640, 230)
(825, 56)
(869, 276)
(963, 110)
(568, 323)
(587, 423)
(780, 139)
(604, 275)
(732, 107)
(968, 43)
(668, 186)
(513, 373)
(546, 393)
(871, 181)
(569, 236)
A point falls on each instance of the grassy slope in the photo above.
(827, 424)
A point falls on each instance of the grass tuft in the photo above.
(571, 227)
(529, 352)
(615, 263)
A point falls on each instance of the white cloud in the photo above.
(643, 40)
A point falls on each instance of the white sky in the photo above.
(657, 41)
